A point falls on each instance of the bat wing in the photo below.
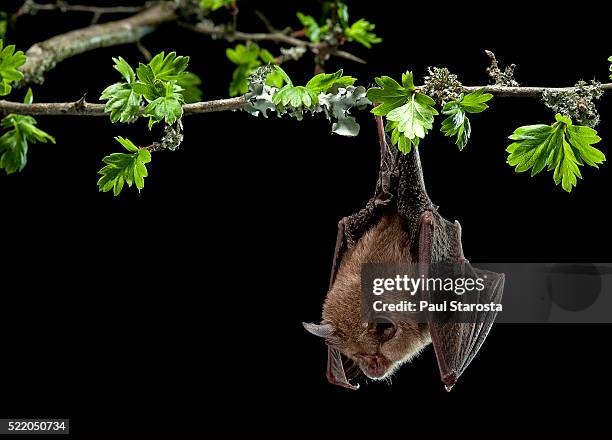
(456, 343)
(340, 369)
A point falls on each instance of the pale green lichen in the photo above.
(337, 104)
(577, 103)
(499, 76)
(441, 85)
(292, 53)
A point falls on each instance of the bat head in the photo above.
(376, 349)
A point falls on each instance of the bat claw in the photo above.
(449, 381)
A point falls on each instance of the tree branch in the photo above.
(525, 92)
(82, 108)
(275, 37)
(43, 56)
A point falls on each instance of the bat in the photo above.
(398, 224)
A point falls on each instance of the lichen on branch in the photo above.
(577, 103)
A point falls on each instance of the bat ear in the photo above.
(320, 330)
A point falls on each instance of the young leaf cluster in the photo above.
(457, 123)
(410, 114)
(163, 85)
(299, 98)
(21, 131)
(332, 94)
(10, 61)
(122, 168)
(561, 147)
(361, 31)
(247, 59)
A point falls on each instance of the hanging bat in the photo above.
(399, 224)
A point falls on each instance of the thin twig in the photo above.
(146, 53)
(30, 7)
(275, 37)
(266, 22)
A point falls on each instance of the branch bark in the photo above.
(526, 92)
(82, 108)
(43, 56)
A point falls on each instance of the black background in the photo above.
(180, 308)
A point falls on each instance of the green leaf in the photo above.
(4, 23)
(457, 123)
(123, 99)
(266, 56)
(190, 83)
(561, 147)
(168, 67)
(240, 79)
(296, 97)
(10, 61)
(123, 102)
(148, 91)
(415, 118)
(29, 97)
(475, 102)
(278, 77)
(246, 59)
(323, 82)
(127, 144)
(165, 72)
(410, 114)
(389, 95)
(242, 54)
(122, 168)
(145, 75)
(403, 143)
(168, 107)
(124, 69)
(162, 83)
(275, 79)
(343, 14)
(312, 28)
(22, 131)
(581, 139)
(213, 5)
(361, 32)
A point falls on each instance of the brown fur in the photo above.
(378, 353)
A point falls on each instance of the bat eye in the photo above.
(385, 329)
